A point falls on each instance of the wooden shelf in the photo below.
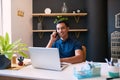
(75, 15)
(71, 30)
(58, 14)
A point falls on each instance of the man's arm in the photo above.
(75, 59)
(52, 40)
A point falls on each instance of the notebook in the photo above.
(46, 58)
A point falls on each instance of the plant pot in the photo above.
(4, 62)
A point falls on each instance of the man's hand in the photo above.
(53, 37)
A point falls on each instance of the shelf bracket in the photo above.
(77, 34)
(77, 18)
(40, 19)
(40, 35)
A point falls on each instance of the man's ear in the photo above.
(68, 28)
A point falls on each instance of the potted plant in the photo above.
(7, 50)
(60, 18)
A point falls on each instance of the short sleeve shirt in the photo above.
(67, 48)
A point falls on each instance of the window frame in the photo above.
(1, 18)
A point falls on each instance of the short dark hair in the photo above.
(63, 22)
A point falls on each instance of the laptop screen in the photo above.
(46, 58)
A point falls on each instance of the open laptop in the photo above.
(46, 58)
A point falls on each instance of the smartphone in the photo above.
(57, 35)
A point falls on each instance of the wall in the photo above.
(97, 26)
(21, 27)
(56, 5)
(100, 23)
(113, 9)
(96, 22)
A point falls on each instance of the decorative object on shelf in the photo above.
(74, 12)
(7, 50)
(47, 11)
(39, 25)
(117, 20)
(115, 45)
(20, 59)
(64, 8)
(78, 10)
(60, 18)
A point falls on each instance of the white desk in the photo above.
(66, 74)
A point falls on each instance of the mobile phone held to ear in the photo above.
(57, 35)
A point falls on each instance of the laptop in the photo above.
(46, 58)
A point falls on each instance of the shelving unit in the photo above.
(58, 14)
(71, 30)
(75, 15)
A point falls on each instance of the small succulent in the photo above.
(20, 59)
(60, 18)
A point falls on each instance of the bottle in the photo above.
(14, 57)
(64, 8)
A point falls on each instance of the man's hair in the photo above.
(63, 22)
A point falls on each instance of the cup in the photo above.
(113, 71)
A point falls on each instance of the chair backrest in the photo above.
(84, 52)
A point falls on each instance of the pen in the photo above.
(107, 61)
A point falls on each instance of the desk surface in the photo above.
(66, 74)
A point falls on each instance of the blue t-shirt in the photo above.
(67, 48)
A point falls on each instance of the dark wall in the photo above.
(99, 21)
(97, 26)
(113, 9)
(55, 6)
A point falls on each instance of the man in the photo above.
(70, 49)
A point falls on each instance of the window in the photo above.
(1, 17)
(5, 16)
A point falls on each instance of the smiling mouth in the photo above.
(61, 34)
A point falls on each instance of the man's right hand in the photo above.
(53, 37)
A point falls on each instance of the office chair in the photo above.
(84, 52)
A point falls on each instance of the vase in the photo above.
(64, 8)
(39, 26)
(4, 62)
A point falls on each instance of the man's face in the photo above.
(62, 30)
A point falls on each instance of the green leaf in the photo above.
(7, 40)
(8, 49)
(9, 54)
(23, 54)
(60, 18)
